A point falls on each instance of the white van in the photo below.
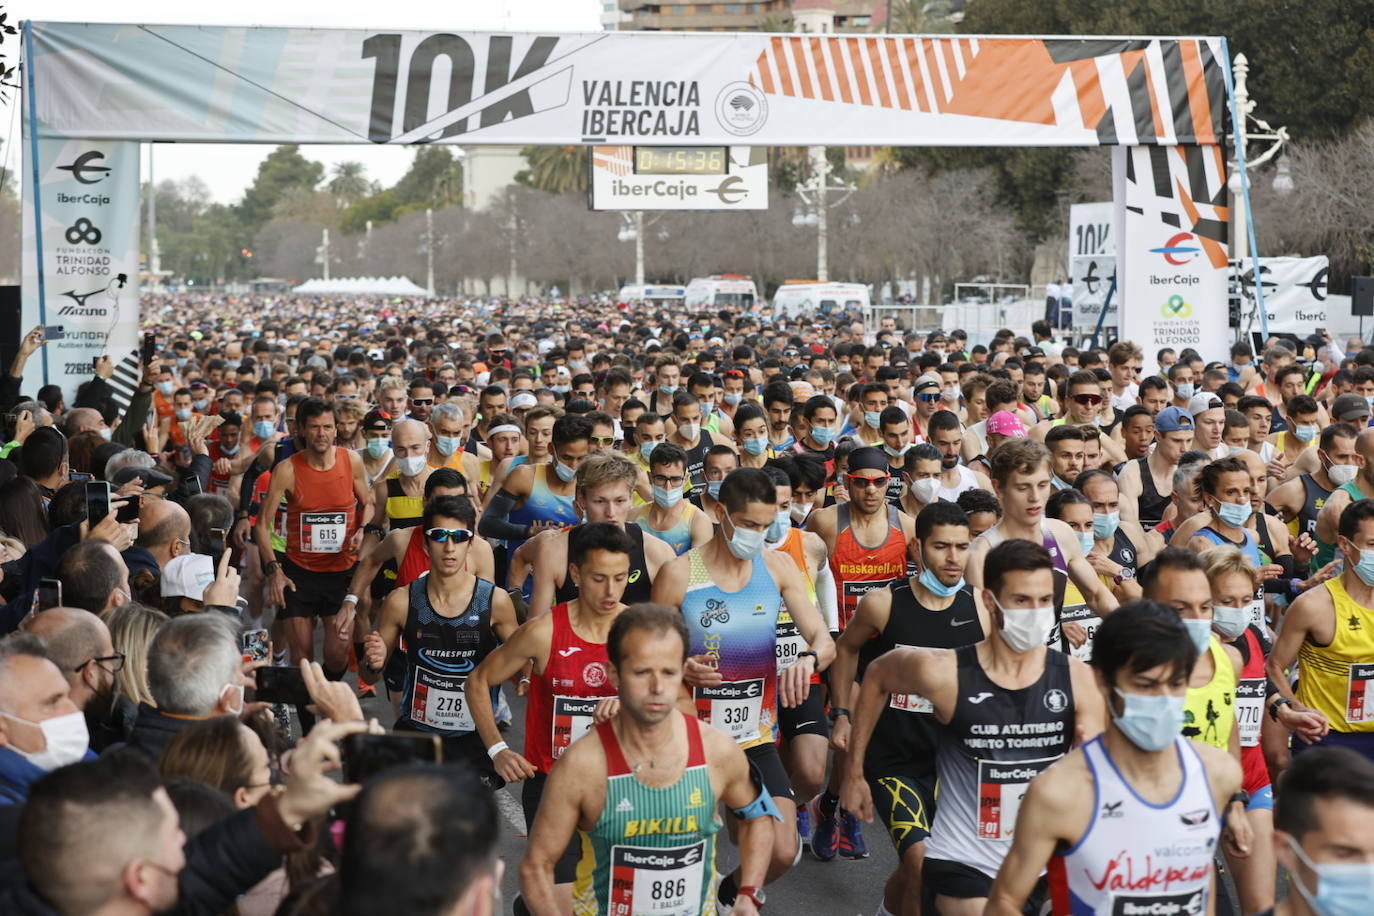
(656, 293)
(809, 298)
(733, 291)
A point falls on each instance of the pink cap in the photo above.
(1006, 423)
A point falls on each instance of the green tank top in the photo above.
(652, 850)
(1327, 552)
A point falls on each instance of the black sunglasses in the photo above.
(457, 535)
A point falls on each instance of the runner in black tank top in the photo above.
(1124, 551)
(637, 586)
(1314, 496)
(1152, 502)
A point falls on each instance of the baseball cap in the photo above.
(149, 477)
(1201, 403)
(187, 576)
(1006, 423)
(1350, 407)
(377, 419)
(1173, 419)
(521, 400)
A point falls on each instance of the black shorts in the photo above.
(466, 751)
(565, 869)
(766, 762)
(943, 878)
(906, 804)
(317, 594)
(806, 719)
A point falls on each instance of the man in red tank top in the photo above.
(323, 486)
(570, 684)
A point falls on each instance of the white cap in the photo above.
(1201, 403)
(187, 576)
(522, 399)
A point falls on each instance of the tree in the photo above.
(377, 209)
(348, 183)
(434, 179)
(921, 17)
(283, 169)
(557, 169)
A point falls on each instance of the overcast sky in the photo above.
(229, 169)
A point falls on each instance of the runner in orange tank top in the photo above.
(323, 486)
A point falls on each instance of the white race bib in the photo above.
(734, 707)
(790, 642)
(1359, 699)
(438, 701)
(1249, 708)
(323, 532)
(1001, 786)
(657, 882)
(572, 718)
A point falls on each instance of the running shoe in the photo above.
(852, 845)
(366, 690)
(804, 821)
(825, 834)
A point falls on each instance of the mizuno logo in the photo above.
(624, 806)
(980, 698)
(568, 652)
(1112, 809)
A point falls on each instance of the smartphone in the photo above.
(97, 501)
(191, 485)
(281, 685)
(257, 645)
(364, 755)
(95, 363)
(49, 594)
(129, 511)
(79, 477)
(149, 349)
(54, 332)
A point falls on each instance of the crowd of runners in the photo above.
(1075, 629)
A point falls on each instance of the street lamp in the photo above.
(632, 230)
(1276, 137)
(816, 193)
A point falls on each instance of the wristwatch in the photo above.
(815, 659)
(755, 894)
(1274, 707)
(837, 711)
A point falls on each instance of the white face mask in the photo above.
(1023, 629)
(66, 740)
(1342, 474)
(924, 489)
(411, 466)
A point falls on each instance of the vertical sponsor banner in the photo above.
(1092, 261)
(1171, 251)
(88, 196)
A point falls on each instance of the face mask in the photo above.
(713, 488)
(782, 523)
(871, 418)
(1365, 567)
(182, 361)
(924, 489)
(755, 446)
(376, 448)
(183, 413)
(1024, 629)
(800, 511)
(646, 449)
(668, 390)
(666, 498)
(822, 435)
(1186, 390)
(1201, 631)
(1151, 723)
(565, 473)
(1342, 474)
(1230, 622)
(689, 431)
(1342, 889)
(447, 445)
(1058, 484)
(787, 443)
(950, 394)
(264, 429)
(1370, 400)
(411, 466)
(561, 389)
(732, 398)
(1086, 541)
(106, 433)
(229, 451)
(168, 387)
(746, 544)
(1235, 514)
(1105, 525)
(200, 405)
(896, 452)
(66, 740)
(1305, 433)
(938, 588)
(1234, 449)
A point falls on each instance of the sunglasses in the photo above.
(422, 402)
(930, 397)
(1087, 400)
(603, 441)
(876, 483)
(441, 535)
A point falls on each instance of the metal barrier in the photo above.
(981, 320)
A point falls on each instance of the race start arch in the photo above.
(93, 92)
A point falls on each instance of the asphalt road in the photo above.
(842, 887)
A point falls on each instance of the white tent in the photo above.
(360, 286)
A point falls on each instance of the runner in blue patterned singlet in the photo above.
(730, 590)
(642, 790)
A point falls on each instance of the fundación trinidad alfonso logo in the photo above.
(1175, 307)
(1179, 250)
